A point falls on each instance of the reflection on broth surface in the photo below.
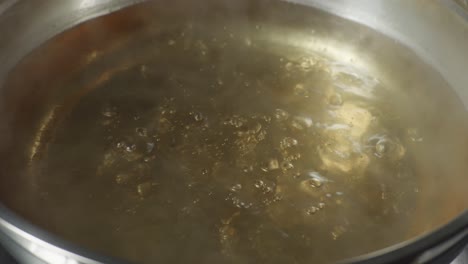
(199, 139)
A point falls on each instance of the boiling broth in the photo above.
(207, 139)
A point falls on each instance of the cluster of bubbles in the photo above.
(278, 162)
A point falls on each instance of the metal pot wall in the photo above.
(436, 31)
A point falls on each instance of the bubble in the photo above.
(148, 159)
(107, 121)
(281, 115)
(257, 127)
(202, 48)
(131, 148)
(296, 175)
(294, 156)
(205, 171)
(286, 165)
(266, 119)
(123, 178)
(301, 123)
(414, 135)
(300, 90)
(91, 56)
(277, 198)
(236, 187)
(149, 147)
(109, 111)
(164, 125)
(141, 131)
(337, 232)
(144, 70)
(197, 116)
(235, 121)
(385, 147)
(144, 189)
(288, 142)
(273, 164)
(381, 147)
(259, 184)
(263, 186)
(239, 203)
(312, 210)
(315, 183)
(247, 169)
(267, 190)
(316, 180)
(335, 99)
(261, 135)
(383, 195)
(307, 63)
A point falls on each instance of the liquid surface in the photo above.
(220, 146)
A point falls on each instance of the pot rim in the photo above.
(407, 250)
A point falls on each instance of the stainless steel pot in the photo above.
(437, 31)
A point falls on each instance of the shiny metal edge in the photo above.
(65, 21)
(384, 23)
(22, 234)
(35, 240)
(393, 253)
(456, 229)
